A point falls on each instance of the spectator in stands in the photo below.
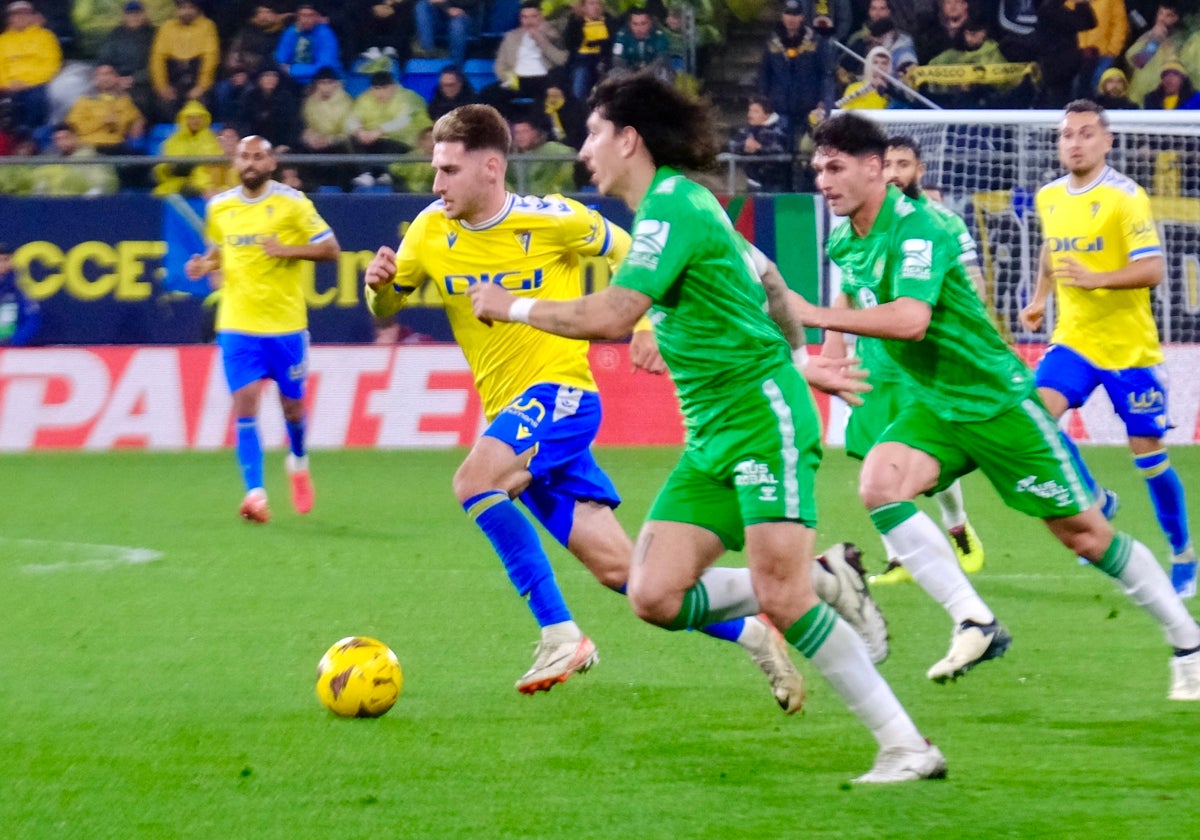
(306, 46)
(873, 90)
(792, 73)
(193, 136)
(973, 46)
(271, 110)
(566, 117)
(589, 35)
(217, 178)
(453, 89)
(763, 134)
(20, 316)
(939, 31)
(1112, 92)
(1161, 43)
(127, 48)
(546, 177)
(380, 23)
(1189, 53)
(254, 45)
(860, 40)
(63, 179)
(1173, 91)
(325, 115)
(529, 59)
(30, 57)
(1056, 37)
(1101, 45)
(879, 33)
(106, 119)
(227, 93)
(415, 176)
(447, 21)
(707, 36)
(183, 60)
(642, 46)
(385, 119)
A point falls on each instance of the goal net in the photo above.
(989, 164)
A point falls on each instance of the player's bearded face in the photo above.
(900, 167)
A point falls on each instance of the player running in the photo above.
(542, 406)
(258, 234)
(975, 406)
(746, 475)
(1101, 256)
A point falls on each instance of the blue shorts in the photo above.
(559, 423)
(1138, 394)
(282, 358)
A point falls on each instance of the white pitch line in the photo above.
(83, 555)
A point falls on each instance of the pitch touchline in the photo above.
(83, 555)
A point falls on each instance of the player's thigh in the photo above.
(867, 421)
(286, 359)
(491, 464)
(1139, 396)
(1067, 373)
(1023, 456)
(243, 359)
(779, 555)
(597, 539)
(918, 453)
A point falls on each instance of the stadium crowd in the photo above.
(160, 77)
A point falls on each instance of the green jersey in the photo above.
(869, 350)
(709, 307)
(962, 370)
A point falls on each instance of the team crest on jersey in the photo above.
(649, 240)
(524, 237)
(451, 238)
(270, 211)
(1095, 208)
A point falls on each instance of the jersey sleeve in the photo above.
(1137, 223)
(410, 268)
(589, 234)
(925, 254)
(309, 221)
(662, 246)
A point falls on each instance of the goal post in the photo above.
(989, 164)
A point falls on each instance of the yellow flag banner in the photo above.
(971, 74)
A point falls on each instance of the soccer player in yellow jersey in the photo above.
(258, 233)
(539, 396)
(1101, 256)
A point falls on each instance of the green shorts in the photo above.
(1019, 451)
(866, 423)
(759, 465)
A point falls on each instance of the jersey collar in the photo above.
(1081, 190)
(509, 201)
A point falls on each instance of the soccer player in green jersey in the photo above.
(753, 436)
(974, 406)
(903, 167)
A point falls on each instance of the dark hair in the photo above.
(763, 101)
(903, 141)
(676, 129)
(531, 4)
(881, 27)
(477, 127)
(1087, 106)
(851, 134)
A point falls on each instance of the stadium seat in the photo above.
(480, 72)
(421, 75)
(156, 135)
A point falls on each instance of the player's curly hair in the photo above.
(477, 127)
(851, 134)
(676, 128)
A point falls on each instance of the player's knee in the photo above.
(875, 490)
(654, 607)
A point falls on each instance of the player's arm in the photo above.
(607, 315)
(1143, 273)
(324, 249)
(1032, 313)
(834, 345)
(777, 298)
(384, 297)
(903, 319)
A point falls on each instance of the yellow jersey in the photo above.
(262, 295)
(1104, 227)
(531, 248)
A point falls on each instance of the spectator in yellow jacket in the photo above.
(30, 57)
(193, 137)
(107, 120)
(184, 59)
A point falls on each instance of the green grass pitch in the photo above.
(158, 660)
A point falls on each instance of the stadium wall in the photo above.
(395, 397)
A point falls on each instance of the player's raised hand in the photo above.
(490, 302)
(382, 267)
(1031, 316)
(643, 352)
(840, 377)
